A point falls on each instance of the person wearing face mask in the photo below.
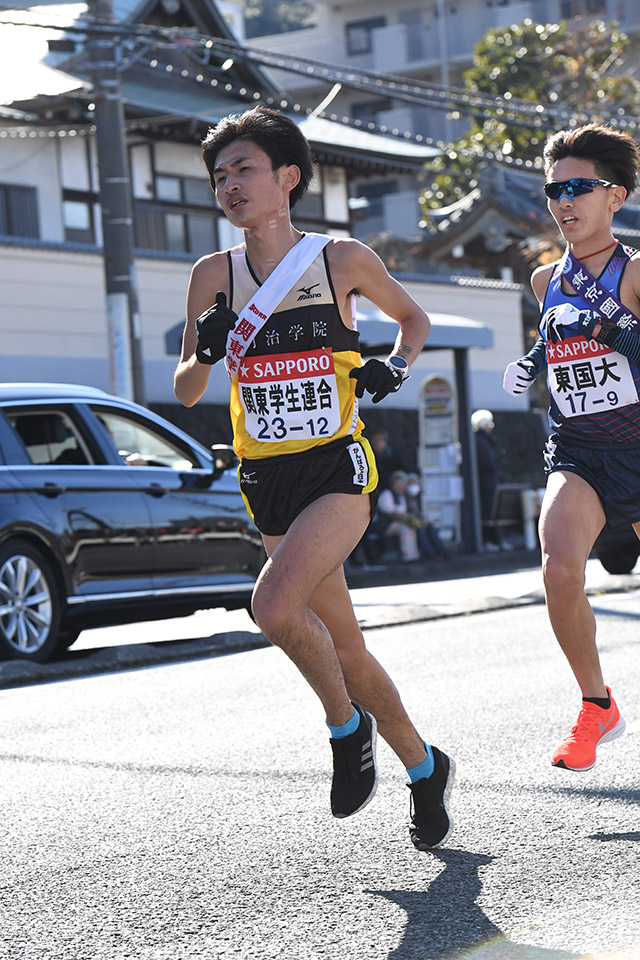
(589, 345)
(396, 520)
(429, 540)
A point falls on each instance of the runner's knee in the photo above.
(562, 576)
(273, 608)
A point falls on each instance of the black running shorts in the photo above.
(614, 473)
(277, 489)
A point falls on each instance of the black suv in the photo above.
(109, 514)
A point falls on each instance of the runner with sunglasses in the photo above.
(592, 458)
(555, 189)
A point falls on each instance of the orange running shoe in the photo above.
(593, 727)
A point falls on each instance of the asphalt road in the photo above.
(181, 811)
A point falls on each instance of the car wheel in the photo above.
(67, 637)
(30, 603)
(618, 559)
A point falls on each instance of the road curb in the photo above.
(134, 656)
(412, 613)
(137, 656)
(89, 663)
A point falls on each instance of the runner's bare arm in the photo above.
(356, 268)
(520, 374)
(209, 275)
(630, 285)
(540, 281)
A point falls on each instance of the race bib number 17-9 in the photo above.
(586, 377)
(289, 396)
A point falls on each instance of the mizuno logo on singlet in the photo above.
(305, 292)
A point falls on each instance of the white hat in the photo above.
(481, 419)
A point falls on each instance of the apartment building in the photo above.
(431, 42)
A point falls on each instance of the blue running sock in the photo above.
(337, 733)
(424, 770)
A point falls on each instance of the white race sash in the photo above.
(257, 311)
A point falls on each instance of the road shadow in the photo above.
(614, 612)
(633, 836)
(445, 922)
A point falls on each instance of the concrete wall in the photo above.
(53, 326)
(53, 320)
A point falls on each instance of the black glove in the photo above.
(377, 378)
(213, 328)
(587, 321)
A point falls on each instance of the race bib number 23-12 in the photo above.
(289, 396)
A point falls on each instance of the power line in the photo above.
(515, 112)
(434, 96)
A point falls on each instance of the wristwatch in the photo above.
(398, 365)
(608, 333)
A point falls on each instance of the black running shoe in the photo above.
(354, 768)
(431, 822)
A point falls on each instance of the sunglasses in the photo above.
(574, 187)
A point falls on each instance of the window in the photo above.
(18, 211)
(578, 8)
(168, 188)
(182, 217)
(197, 192)
(140, 447)
(359, 39)
(368, 110)
(50, 438)
(176, 232)
(77, 216)
(311, 207)
(375, 192)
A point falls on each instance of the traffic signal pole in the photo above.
(125, 354)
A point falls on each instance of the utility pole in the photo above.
(125, 355)
(443, 29)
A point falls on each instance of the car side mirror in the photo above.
(224, 457)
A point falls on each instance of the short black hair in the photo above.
(278, 135)
(613, 153)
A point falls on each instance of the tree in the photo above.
(542, 74)
(264, 17)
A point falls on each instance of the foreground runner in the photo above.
(590, 345)
(307, 475)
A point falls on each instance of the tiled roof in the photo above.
(517, 195)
